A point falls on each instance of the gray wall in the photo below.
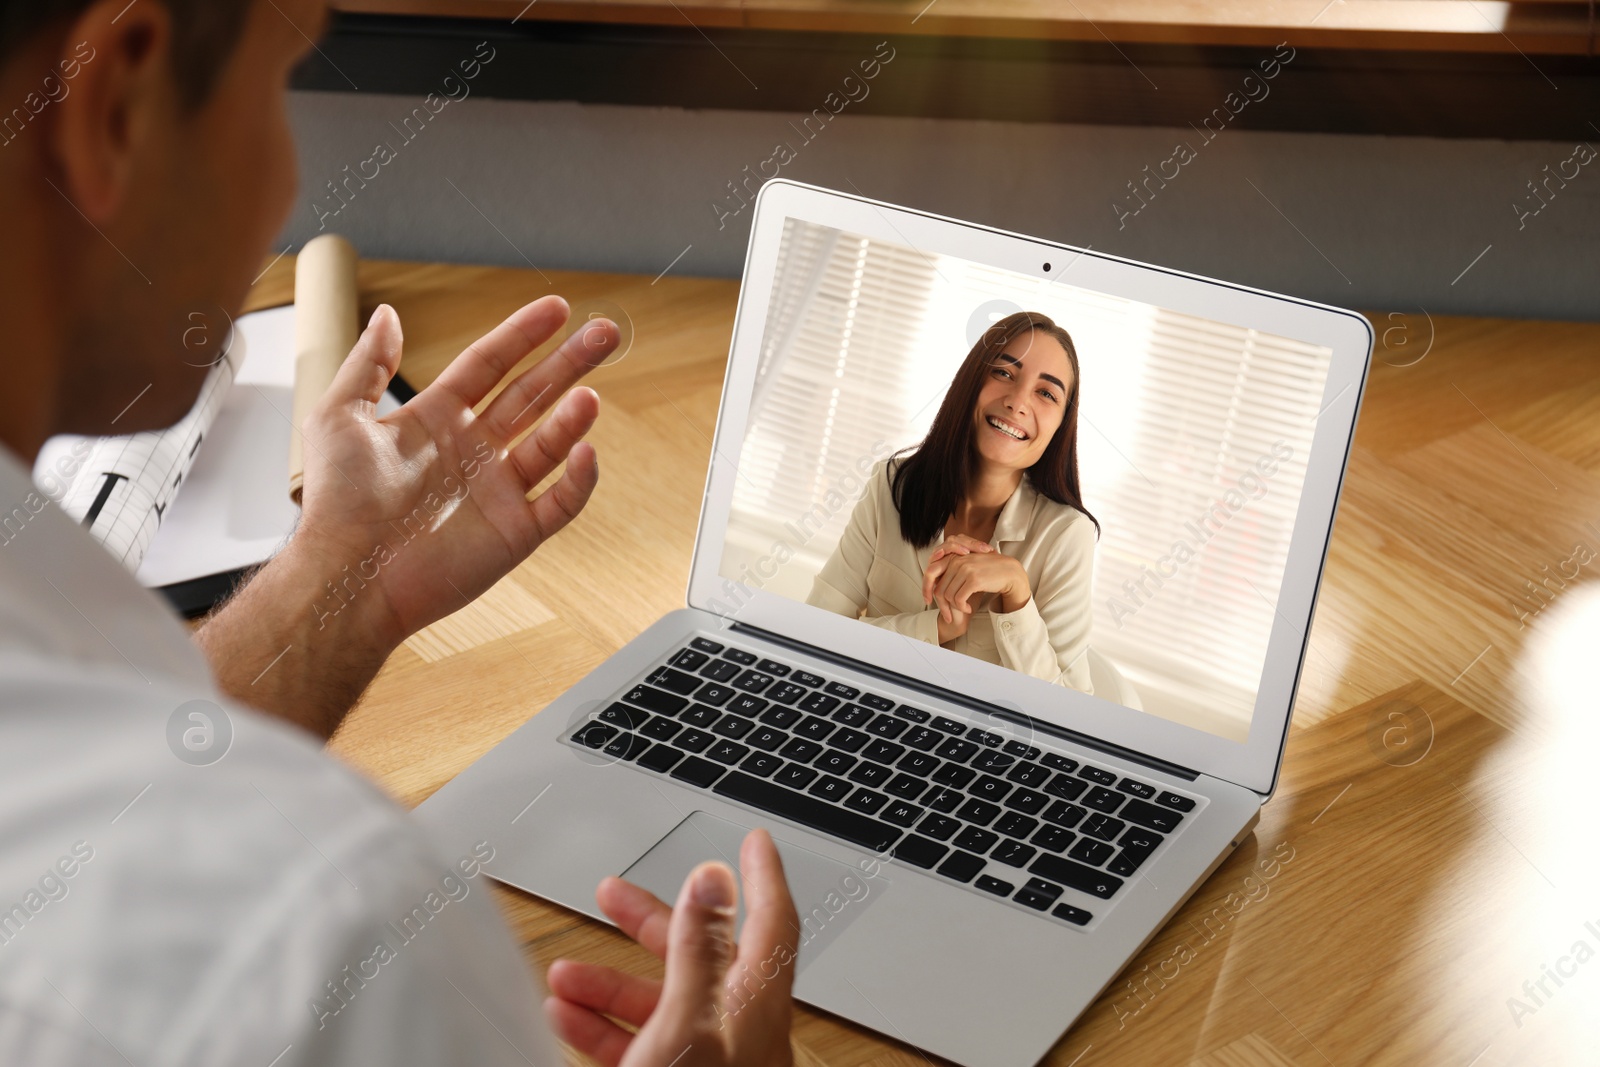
(1365, 222)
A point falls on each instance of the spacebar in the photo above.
(807, 811)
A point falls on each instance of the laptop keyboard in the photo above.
(1002, 816)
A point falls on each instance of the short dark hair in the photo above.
(204, 33)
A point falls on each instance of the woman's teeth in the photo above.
(1007, 430)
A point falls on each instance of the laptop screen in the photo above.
(1113, 484)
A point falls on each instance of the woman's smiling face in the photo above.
(1022, 400)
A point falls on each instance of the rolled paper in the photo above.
(326, 325)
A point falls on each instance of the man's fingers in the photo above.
(476, 371)
(637, 912)
(548, 446)
(594, 1036)
(605, 990)
(699, 950)
(561, 503)
(365, 372)
(769, 941)
(520, 404)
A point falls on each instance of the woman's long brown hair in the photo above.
(930, 483)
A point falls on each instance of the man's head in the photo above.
(146, 164)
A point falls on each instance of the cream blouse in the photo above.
(876, 571)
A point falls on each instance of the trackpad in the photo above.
(829, 895)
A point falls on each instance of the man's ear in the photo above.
(122, 96)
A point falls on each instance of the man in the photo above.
(269, 907)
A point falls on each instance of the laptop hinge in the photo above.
(993, 710)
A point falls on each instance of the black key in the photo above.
(772, 666)
(795, 776)
(766, 738)
(990, 884)
(697, 771)
(1148, 815)
(830, 788)
(655, 700)
(624, 716)
(1030, 774)
(1053, 838)
(753, 681)
(919, 851)
(1026, 800)
(1039, 885)
(1093, 853)
(958, 750)
(961, 866)
(780, 717)
(705, 644)
(785, 693)
(693, 740)
(733, 726)
(887, 726)
(1015, 824)
(729, 752)
(917, 763)
(876, 702)
(660, 758)
(839, 689)
(975, 840)
(688, 659)
(852, 715)
(993, 760)
(984, 737)
(949, 726)
(908, 786)
(814, 728)
(857, 829)
(1033, 899)
(1140, 840)
(719, 670)
(1102, 799)
(660, 729)
(1096, 774)
(978, 811)
(800, 750)
(1013, 852)
(1124, 864)
(700, 715)
(594, 734)
(1021, 749)
(1077, 916)
(1064, 785)
(849, 740)
(1104, 827)
(1057, 762)
(740, 656)
(941, 799)
(1076, 876)
(955, 775)
(712, 693)
(938, 826)
(922, 738)
(902, 814)
(820, 703)
(675, 681)
(805, 678)
(989, 788)
(866, 801)
(761, 764)
(881, 751)
(834, 762)
(1063, 814)
(906, 711)
(1138, 789)
(1175, 802)
(868, 773)
(745, 704)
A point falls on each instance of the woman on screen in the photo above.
(978, 540)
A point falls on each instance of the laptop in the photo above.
(979, 832)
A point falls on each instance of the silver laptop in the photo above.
(979, 833)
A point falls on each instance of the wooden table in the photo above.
(1432, 835)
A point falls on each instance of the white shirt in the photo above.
(877, 571)
(155, 911)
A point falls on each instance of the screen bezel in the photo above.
(1253, 763)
